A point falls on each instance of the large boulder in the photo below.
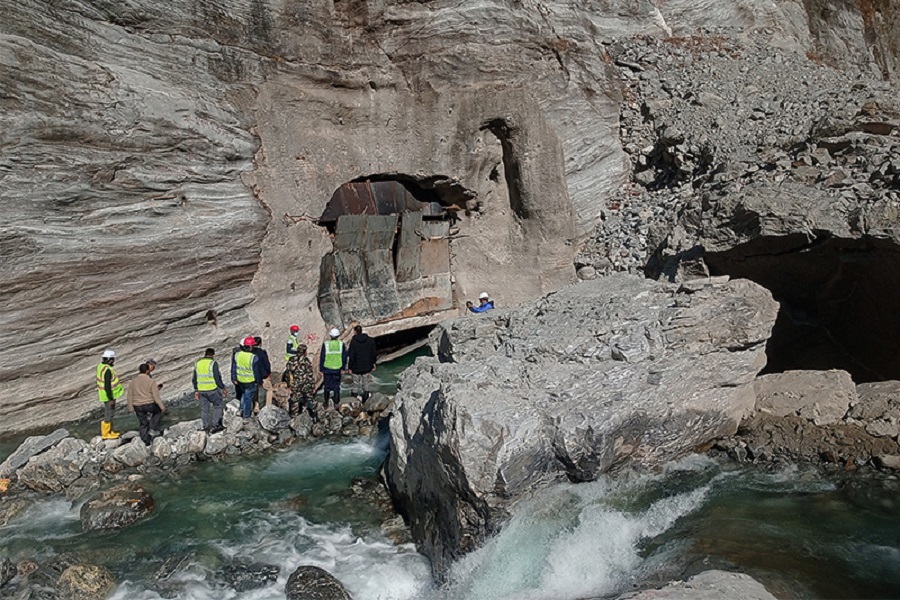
(314, 583)
(56, 468)
(274, 419)
(117, 507)
(878, 409)
(30, 447)
(611, 372)
(132, 454)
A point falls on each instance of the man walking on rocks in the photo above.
(246, 374)
(145, 403)
(332, 363)
(361, 358)
(209, 390)
(109, 389)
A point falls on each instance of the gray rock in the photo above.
(888, 461)
(274, 419)
(878, 408)
(56, 468)
(161, 448)
(132, 454)
(30, 447)
(709, 585)
(823, 397)
(586, 273)
(377, 403)
(314, 583)
(216, 443)
(183, 428)
(301, 425)
(538, 397)
(117, 507)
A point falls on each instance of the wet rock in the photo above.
(32, 446)
(132, 454)
(314, 583)
(709, 585)
(823, 397)
(85, 582)
(117, 507)
(244, 576)
(7, 571)
(12, 507)
(274, 419)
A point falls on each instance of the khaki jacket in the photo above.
(143, 390)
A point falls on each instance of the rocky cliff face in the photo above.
(163, 165)
(597, 376)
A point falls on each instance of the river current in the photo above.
(801, 534)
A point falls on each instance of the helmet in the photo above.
(248, 341)
(334, 333)
(109, 354)
(295, 328)
(483, 296)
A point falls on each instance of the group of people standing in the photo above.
(251, 371)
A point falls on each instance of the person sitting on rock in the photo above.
(145, 403)
(484, 303)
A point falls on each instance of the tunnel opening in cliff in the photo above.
(839, 301)
(390, 265)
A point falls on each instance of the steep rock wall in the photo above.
(161, 163)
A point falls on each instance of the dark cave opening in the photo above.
(839, 301)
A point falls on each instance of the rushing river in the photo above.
(800, 534)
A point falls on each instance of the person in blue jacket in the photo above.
(485, 303)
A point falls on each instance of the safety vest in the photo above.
(117, 388)
(292, 343)
(334, 354)
(206, 382)
(244, 362)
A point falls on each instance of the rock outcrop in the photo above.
(709, 585)
(164, 165)
(602, 374)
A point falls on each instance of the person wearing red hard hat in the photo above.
(245, 374)
(293, 342)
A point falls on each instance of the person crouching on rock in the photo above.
(109, 390)
(484, 303)
(145, 403)
(332, 364)
(209, 390)
(303, 383)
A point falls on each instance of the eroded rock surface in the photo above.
(709, 585)
(314, 583)
(164, 164)
(117, 507)
(602, 374)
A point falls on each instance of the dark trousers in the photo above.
(297, 402)
(332, 386)
(150, 417)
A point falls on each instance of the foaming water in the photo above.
(47, 520)
(573, 541)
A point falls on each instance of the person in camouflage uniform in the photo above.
(303, 383)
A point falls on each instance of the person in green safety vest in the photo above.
(245, 372)
(209, 390)
(292, 342)
(109, 390)
(332, 364)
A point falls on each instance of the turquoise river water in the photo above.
(801, 534)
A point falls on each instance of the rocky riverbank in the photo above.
(58, 463)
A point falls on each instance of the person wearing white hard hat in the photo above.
(332, 364)
(484, 303)
(109, 390)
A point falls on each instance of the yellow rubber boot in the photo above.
(106, 431)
